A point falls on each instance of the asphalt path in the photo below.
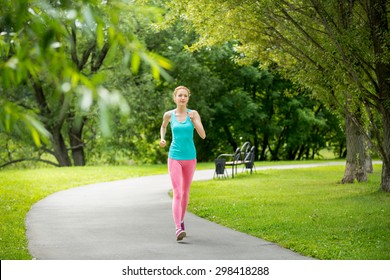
(131, 220)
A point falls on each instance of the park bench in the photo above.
(249, 160)
(242, 156)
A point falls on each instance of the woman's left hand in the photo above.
(195, 119)
(191, 115)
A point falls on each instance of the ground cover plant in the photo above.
(305, 210)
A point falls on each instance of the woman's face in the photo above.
(182, 97)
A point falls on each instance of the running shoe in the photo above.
(180, 234)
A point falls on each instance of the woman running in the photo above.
(182, 153)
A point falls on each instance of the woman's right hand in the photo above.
(162, 143)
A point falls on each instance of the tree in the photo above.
(51, 55)
(337, 48)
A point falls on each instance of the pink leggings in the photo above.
(181, 173)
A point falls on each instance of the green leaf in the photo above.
(100, 35)
(155, 72)
(35, 136)
(135, 62)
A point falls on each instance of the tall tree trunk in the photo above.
(264, 146)
(385, 181)
(356, 154)
(301, 152)
(230, 138)
(369, 166)
(379, 24)
(77, 143)
(59, 146)
(60, 150)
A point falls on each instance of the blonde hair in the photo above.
(179, 88)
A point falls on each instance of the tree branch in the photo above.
(299, 27)
(73, 43)
(28, 159)
(345, 59)
(40, 97)
(100, 58)
(86, 55)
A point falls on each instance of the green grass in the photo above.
(305, 210)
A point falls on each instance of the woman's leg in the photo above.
(176, 174)
(189, 167)
(181, 173)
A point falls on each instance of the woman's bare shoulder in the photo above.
(168, 114)
(195, 112)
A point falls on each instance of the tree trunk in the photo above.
(369, 167)
(379, 24)
(301, 152)
(77, 143)
(279, 143)
(264, 146)
(385, 181)
(60, 150)
(230, 138)
(356, 154)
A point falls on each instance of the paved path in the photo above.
(131, 220)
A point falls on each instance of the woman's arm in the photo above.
(163, 129)
(195, 118)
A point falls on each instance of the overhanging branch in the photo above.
(28, 159)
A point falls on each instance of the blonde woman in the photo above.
(182, 153)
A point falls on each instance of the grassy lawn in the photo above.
(302, 209)
(305, 210)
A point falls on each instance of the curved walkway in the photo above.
(131, 220)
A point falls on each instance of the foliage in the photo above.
(14, 118)
(135, 138)
(51, 53)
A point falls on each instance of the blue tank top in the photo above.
(182, 146)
